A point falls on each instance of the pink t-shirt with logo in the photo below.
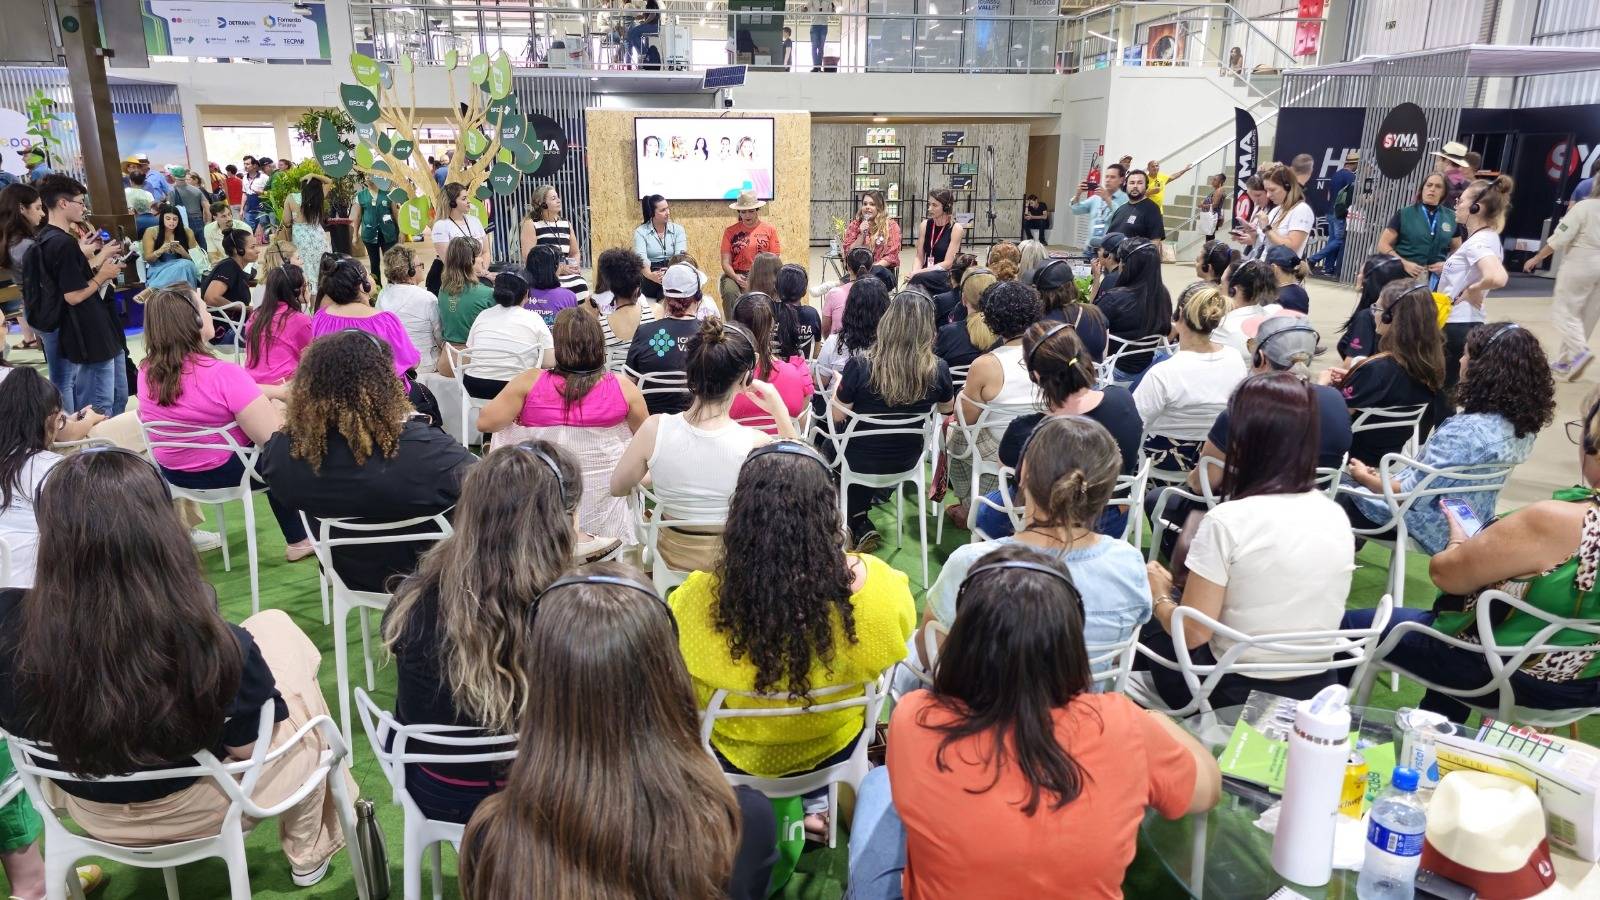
(791, 377)
(214, 393)
(291, 334)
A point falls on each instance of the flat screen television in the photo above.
(703, 158)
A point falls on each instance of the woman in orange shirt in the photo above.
(1010, 758)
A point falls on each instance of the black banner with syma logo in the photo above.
(1246, 159)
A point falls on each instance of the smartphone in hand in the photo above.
(1462, 513)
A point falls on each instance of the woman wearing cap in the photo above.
(1275, 556)
(1289, 270)
(875, 230)
(741, 242)
(1546, 554)
(307, 212)
(662, 346)
(1181, 398)
(1476, 267)
(1407, 370)
(656, 241)
(1425, 232)
(1505, 397)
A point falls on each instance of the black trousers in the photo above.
(375, 258)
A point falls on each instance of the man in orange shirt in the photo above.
(740, 243)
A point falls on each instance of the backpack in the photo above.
(652, 57)
(1341, 201)
(38, 284)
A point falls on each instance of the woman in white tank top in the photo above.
(692, 458)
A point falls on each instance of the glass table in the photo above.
(1222, 853)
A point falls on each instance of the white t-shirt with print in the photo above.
(446, 230)
(1301, 218)
(1461, 270)
(18, 530)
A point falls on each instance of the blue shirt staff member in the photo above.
(656, 241)
(1100, 204)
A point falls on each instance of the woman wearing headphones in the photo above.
(458, 222)
(1474, 269)
(417, 309)
(1012, 755)
(656, 241)
(1547, 554)
(349, 294)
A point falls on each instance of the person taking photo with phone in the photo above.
(1100, 202)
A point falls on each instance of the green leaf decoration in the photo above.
(380, 166)
(365, 132)
(408, 65)
(386, 76)
(526, 158)
(500, 107)
(478, 68)
(383, 184)
(383, 143)
(450, 58)
(334, 159)
(365, 69)
(503, 179)
(500, 75)
(414, 216)
(359, 103)
(364, 157)
(504, 155)
(482, 193)
(476, 142)
(402, 149)
(327, 132)
(398, 196)
(476, 208)
(512, 127)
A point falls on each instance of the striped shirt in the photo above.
(558, 234)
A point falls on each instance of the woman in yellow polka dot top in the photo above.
(788, 612)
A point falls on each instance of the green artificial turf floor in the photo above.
(821, 872)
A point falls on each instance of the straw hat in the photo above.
(1454, 151)
(747, 200)
(1488, 833)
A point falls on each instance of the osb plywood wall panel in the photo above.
(614, 188)
(832, 169)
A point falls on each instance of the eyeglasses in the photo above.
(1575, 431)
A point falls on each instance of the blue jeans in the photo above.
(252, 210)
(1331, 253)
(1453, 667)
(636, 36)
(819, 44)
(63, 372)
(877, 841)
(97, 385)
(228, 475)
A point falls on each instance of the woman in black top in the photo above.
(228, 282)
(1359, 336)
(155, 675)
(947, 305)
(1139, 306)
(352, 447)
(1408, 369)
(938, 243)
(799, 326)
(663, 345)
(968, 337)
(458, 627)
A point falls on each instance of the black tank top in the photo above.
(936, 240)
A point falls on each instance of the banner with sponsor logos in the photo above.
(1246, 160)
(236, 29)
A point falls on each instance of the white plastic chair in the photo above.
(234, 780)
(5, 569)
(1295, 653)
(991, 417)
(1384, 418)
(1158, 516)
(389, 740)
(160, 435)
(617, 358)
(867, 428)
(661, 386)
(1008, 506)
(333, 534)
(231, 315)
(1129, 494)
(849, 772)
(1111, 677)
(472, 361)
(1120, 350)
(958, 375)
(653, 515)
(1210, 469)
(1503, 661)
(1436, 481)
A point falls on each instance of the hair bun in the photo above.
(712, 332)
(1502, 183)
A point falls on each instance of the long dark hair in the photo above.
(148, 643)
(1508, 376)
(858, 263)
(27, 401)
(791, 286)
(313, 200)
(1141, 278)
(580, 353)
(1272, 437)
(14, 225)
(755, 312)
(568, 823)
(286, 286)
(782, 578)
(1014, 656)
(647, 207)
(864, 306)
(543, 261)
(179, 233)
(1413, 339)
(1376, 274)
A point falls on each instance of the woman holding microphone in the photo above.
(656, 241)
(875, 230)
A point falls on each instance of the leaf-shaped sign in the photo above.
(500, 107)
(476, 142)
(482, 193)
(402, 149)
(334, 159)
(327, 132)
(365, 132)
(478, 68)
(383, 184)
(398, 196)
(414, 216)
(512, 127)
(476, 208)
(364, 157)
(527, 159)
(380, 166)
(450, 57)
(500, 75)
(359, 103)
(365, 69)
(505, 155)
(386, 76)
(383, 143)
(503, 179)
(408, 65)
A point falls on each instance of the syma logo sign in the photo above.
(1401, 139)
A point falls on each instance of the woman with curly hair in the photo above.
(998, 378)
(353, 446)
(1005, 261)
(181, 382)
(458, 628)
(786, 611)
(1505, 396)
(867, 301)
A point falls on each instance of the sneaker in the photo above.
(91, 879)
(205, 540)
(1560, 367)
(869, 542)
(297, 552)
(1576, 366)
(307, 879)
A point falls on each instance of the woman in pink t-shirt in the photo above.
(348, 290)
(182, 383)
(858, 265)
(781, 366)
(278, 332)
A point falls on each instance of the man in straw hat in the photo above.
(741, 242)
(1452, 163)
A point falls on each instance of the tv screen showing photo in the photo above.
(703, 158)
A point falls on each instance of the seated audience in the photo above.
(947, 304)
(1546, 554)
(352, 447)
(692, 458)
(348, 293)
(165, 248)
(779, 362)
(791, 313)
(1359, 336)
(1180, 398)
(417, 309)
(966, 337)
(458, 627)
(177, 680)
(1058, 294)
(462, 296)
(897, 376)
(1289, 269)
(588, 411)
(1504, 398)
(278, 331)
(1407, 370)
(1106, 265)
(763, 276)
(857, 330)
(1059, 364)
(228, 282)
(1033, 257)
(546, 296)
(1011, 758)
(785, 611)
(182, 383)
(222, 221)
(661, 347)
(507, 328)
(998, 380)
(1274, 556)
(629, 310)
(1139, 307)
(857, 265)
(1252, 294)
(1213, 262)
(655, 816)
(1005, 261)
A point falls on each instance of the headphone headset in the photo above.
(1500, 332)
(107, 448)
(1057, 328)
(743, 297)
(790, 448)
(555, 469)
(1261, 345)
(982, 569)
(613, 580)
(1388, 311)
(366, 283)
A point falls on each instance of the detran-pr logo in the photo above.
(222, 22)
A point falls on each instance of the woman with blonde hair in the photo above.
(462, 296)
(1033, 254)
(1005, 261)
(1180, 399)
(875, 230)
(277, 254)
(1475, 268)
(968, 337)
(543, 226)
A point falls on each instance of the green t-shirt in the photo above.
(457, 312)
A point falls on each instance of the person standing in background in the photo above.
(1342, 190)
(1575, 308)
(1140, 216)
(741, 243)
(1474, 269)
(254, 185)
(821, 10)
(1158, 182)
(189, 193)
(379, 230)
(233, 188)
(1452, 164)
(37, 167)
(1213, 204)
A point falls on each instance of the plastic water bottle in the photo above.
(1394, 841)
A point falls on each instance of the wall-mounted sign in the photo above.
(247, 30)
(1402, 140)
(940, 154)
(960, 182)
(953, 138)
